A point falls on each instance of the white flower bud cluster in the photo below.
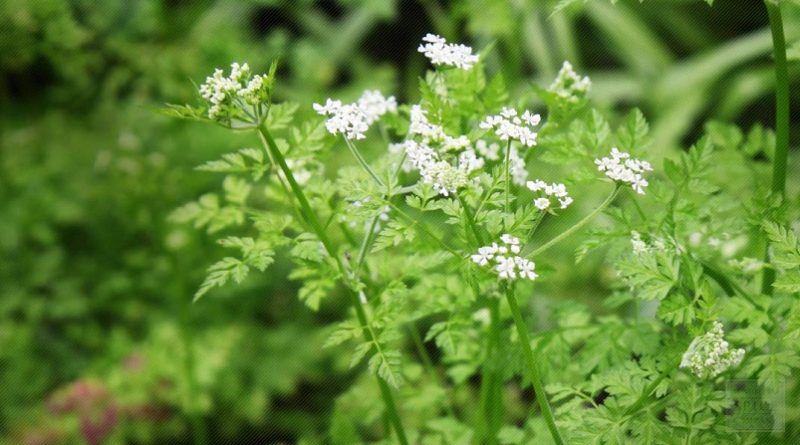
(709, 354)
(444, 170)
(221, 92)
(622, 168)
(353, 120)
(445, 178)
(638, 245)
(506, 262)
(547, 191)
(442, 53)
(569, 85)
(509, 125)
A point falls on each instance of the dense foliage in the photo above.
(447, 267)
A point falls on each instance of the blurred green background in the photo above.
(99, 343)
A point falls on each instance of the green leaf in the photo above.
(789, 282)
(386, 364)
(632, 135)
(220, 273)
(653, 275)
(280, 115)
(677, 309)
(393, 234)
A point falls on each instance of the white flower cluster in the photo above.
(509, 125)
(622, 168)
(709, 354)
(555, 190)
(569, 85)
(374, 105)
(442, 53)
(638, 245)
(445, 178)
(353, 120)
(507, 263)
(221, 92)
(445, 171)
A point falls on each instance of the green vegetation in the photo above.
(243, 275)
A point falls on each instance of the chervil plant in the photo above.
(437, 222)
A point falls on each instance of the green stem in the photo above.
(491, 401)
(491, 383)
(508, 174)
(416, 223)
(534, 373)
(313, 221)
(565, 234)
(363, 162)
(781, 120)
(639, 403)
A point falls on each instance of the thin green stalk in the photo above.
(285, 189)
(491, 402)
(508, 173)
(417, 224)
(565, 234)
(639, 403)
(491, 384)
(363, 162)
(781, 120)
(313, 221)
(534, 373)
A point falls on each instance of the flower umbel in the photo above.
(445, 178)
(353, 120)
(568, 85)
(709, 354)
(442, 53)
(509, 125)
(547, 192)
(226, 96)
(622, 168)
(504, 259)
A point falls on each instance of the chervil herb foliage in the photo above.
(437, 218)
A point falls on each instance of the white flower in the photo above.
(569, 85)
(221, 92)
(504, 259)
(484, 255)
(455, 144)
(331, 107)
(541, 203)
(374, 105)
(469, 161)
(526, 268)
(442, 53)
(638, 245)
(353, 120)
(506, 268)
(348, 120)
(709, 354)
(488, 151)
(519, 172)
(508, 125)
(622, 168)
(554, 191)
